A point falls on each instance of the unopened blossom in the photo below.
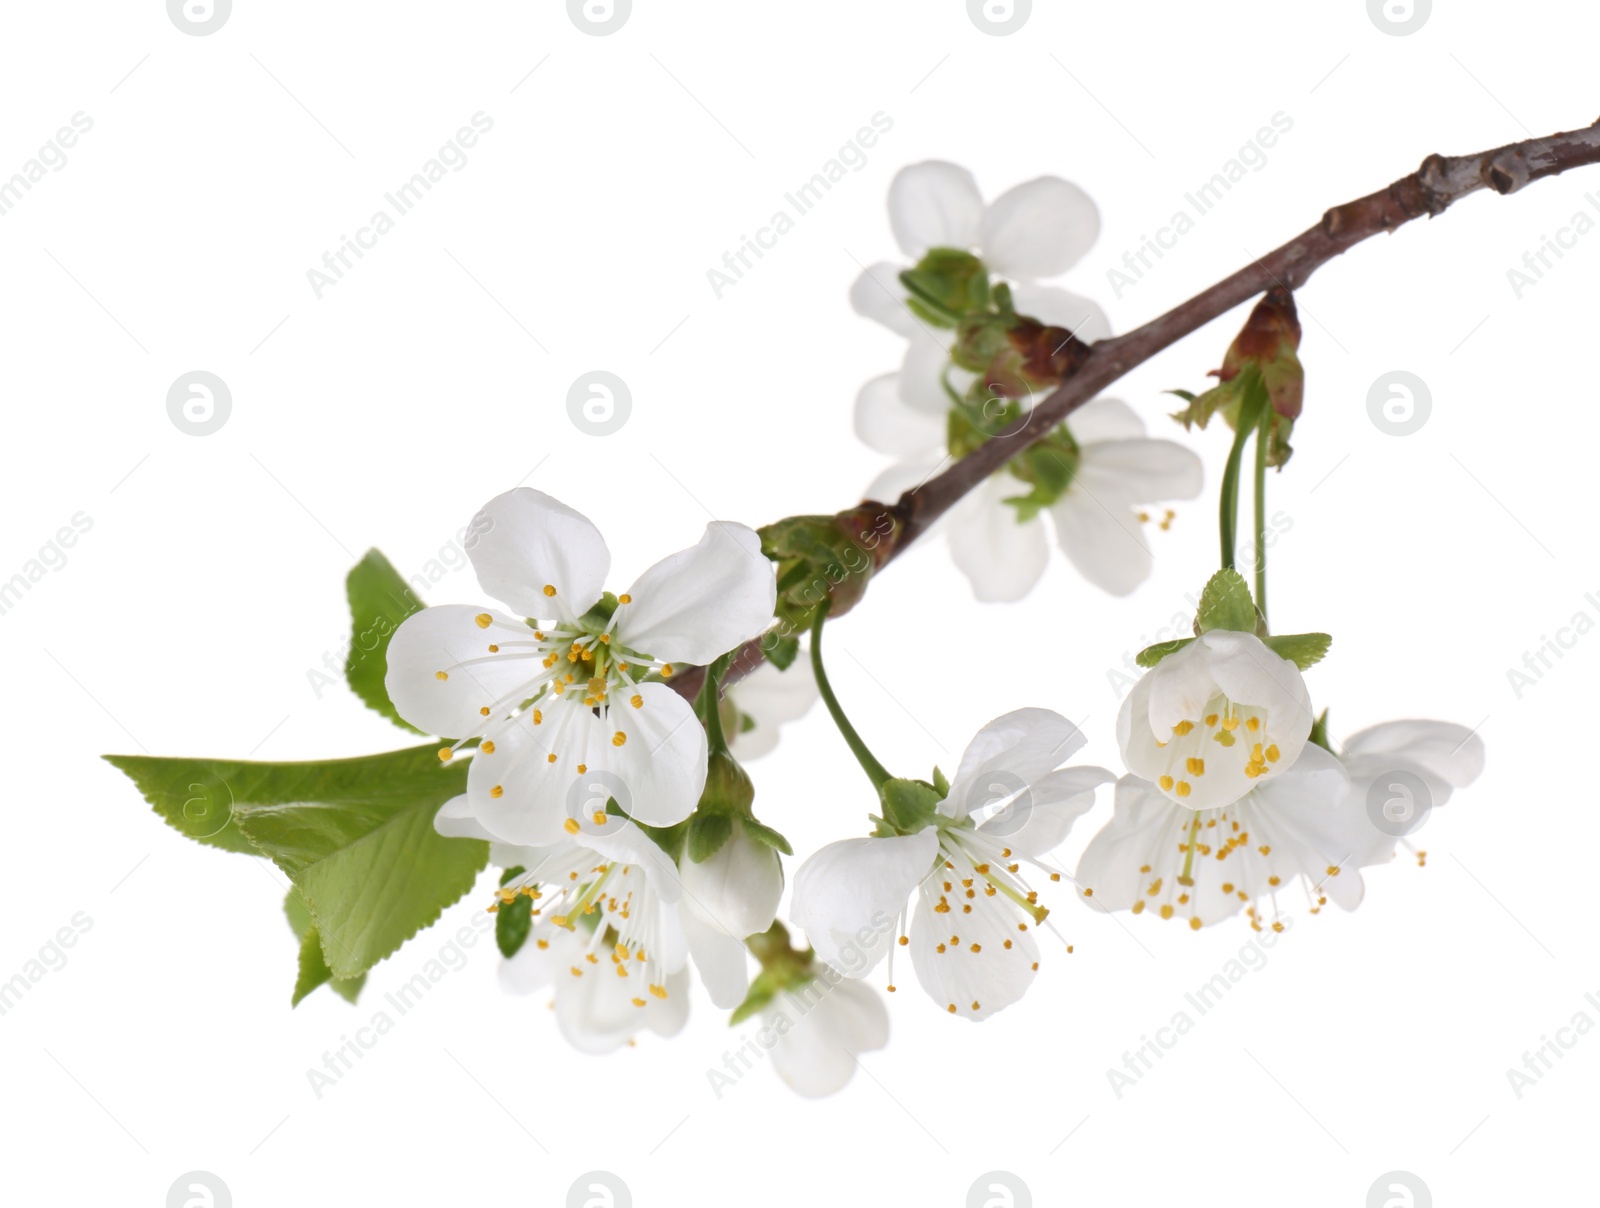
(1099, 522)
(1292, 842)
(730, 895)
(1215, 719)
(972, 930)
(576, 689)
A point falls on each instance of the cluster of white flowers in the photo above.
(585, 757)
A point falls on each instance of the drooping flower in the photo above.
(1032, 232)
(972, 935)
(1099, 519)
(765, 700)
(608, 930)
(1215, 719)
(1157, 856)
(575, 690)
(1400, 771)
(819, 1029)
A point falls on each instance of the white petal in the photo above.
(1001, 557)
(524, 541)
(769, 698)
(1102, 539)
(535, 967)
(662, 758)
(1138, 471)
(596, 1013)
(1448, 752)
(887, 423)
(624, 843)
(922, 376)
(848, 895)
(456, 821)
(978, 962)
(934, 204)
(1248, 672)
(1102, 419)
(703, 601)
(1056, 307)
(530, 807)
(737, 888)
(1039, 229)
(448, 638)
(1039, 821)
(820, 1029)
(904, 475)
(1009, 754)
(719, 958)
(877, 294)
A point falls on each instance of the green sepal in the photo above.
(909, 805)
(1151, 655)
(379, 600)
(762, 833)
(1319, 733)
(1226, 604)
(1304, 650)
(513, 921)
(781, 651)
(946, 284)
(764, 987)
(709, 830)
(941, 783)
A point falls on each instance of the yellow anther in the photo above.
(582, 768)
(1166, 912)
(1197, 767)
(618, 738)
(487, 746)
(951, 1008)
(1194, 923)
(666, 671)
(549, 589)
(1273, 753)
(498, 791)
(1183, 727)
(1166, 784)
(1182, 788)
(659, 991)
(636, 700)
(571, 826)
(1138, 907)
(624, 598)
(537, 717)
(550, 758)
(1230, 723)
(1211, 719)
(484, 620)
(441, 675)
(1252, 724)
(483, 711)
(1223, 737)
(493, 649)
(444, 754)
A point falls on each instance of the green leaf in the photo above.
(314, 970)
(513, 922)
(762, 833)
(708, 831)
(1226, 604)
(354, 835)
(194, 796)
(781, 652)
(1151, 655)
(1302, 649)
(379, 600)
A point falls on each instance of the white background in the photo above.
(578, 236)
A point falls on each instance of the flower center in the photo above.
(608, 901)
(1225, 733)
